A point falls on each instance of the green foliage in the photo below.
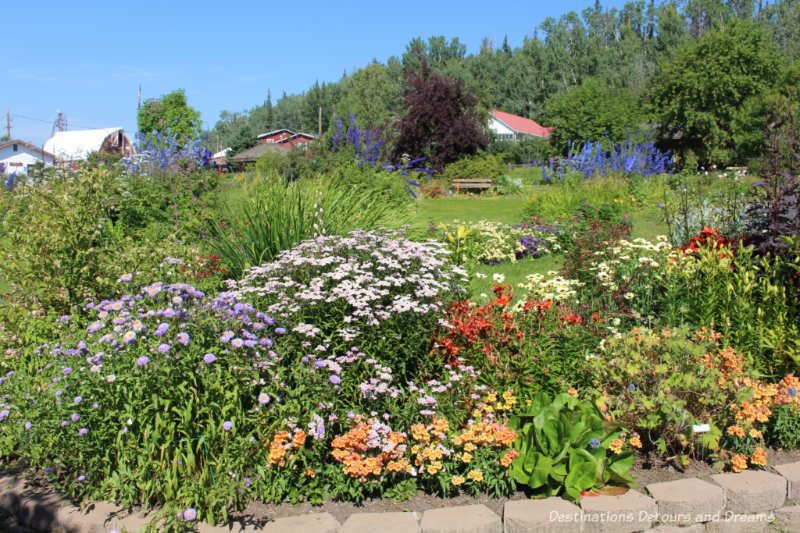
(697, 94)
(563, 200)
(474, 167)
(172, 113)
(564, 447)
(263, 217)
(592, 112)
(784, 429)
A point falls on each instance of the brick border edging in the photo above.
(750, 501)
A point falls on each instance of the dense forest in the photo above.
(600, 72)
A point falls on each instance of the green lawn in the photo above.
(647, 223)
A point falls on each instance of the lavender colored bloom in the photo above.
(59, 392)
(163, 348)
(78, 399)
(209, 358)
(64, 423)
(83, 431)
(247, 482)
(66, 370)
(263, 398)
(280, 330)
(75, 417)
(143, 360)
(237, 343)
(3, 414)
(227, 425)
(183, 338)
(335, 379)
(81, 478)
(95, 405)
(189, 514)
(594, 443)
(792, 392)
(28, 425)
(161, 329)
(64, 319)
(631, 387)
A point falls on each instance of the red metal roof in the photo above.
(521, 124)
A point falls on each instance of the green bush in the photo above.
(474, 167)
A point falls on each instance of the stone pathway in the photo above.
(748, 502)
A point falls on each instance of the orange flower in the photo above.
(756, 434)
(573, 392)
(736, 430)
(310, 473)
(636, 442)
(475, 475)
(458, 480)
(509, 457)
(759, 457)
(616, 446)
(469, 447)
(466, 457)
(739, 463)
(299, 439)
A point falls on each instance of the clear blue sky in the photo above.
(88, 58)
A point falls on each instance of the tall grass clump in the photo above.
(263, 217)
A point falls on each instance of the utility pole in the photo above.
(8, 124)
(319, 122)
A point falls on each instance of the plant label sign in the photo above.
(701, 428)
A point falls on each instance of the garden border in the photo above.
(750, 501)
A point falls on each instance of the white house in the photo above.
(77, 145)
(510, 127)
(16, 156)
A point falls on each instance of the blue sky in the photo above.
(88, 58)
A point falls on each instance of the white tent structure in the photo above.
(77, 145)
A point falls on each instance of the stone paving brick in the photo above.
(461, 519)
(791, 472)
(310, 523)
(383, 522)
(694, 528)
(549, 515)
(788, 518)
(742, 523)
(632, 511)
(752, 491)
(686, 501)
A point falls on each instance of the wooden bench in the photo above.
(472, 184)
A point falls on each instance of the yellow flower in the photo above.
(756, 434)
(636, 442)
(573, 392)
(466, 457)
(469, 447)
(616, 446)
(736, 430)
(458, 480)
(475, 475)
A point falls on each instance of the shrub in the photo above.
(473, 167)
(376, 289)
(493, 243)
(661, 384)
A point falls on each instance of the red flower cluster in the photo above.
(490, 326)
(709, 239)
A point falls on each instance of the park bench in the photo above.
(463, 184)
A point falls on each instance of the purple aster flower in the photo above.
(280, 331)
(83, 431)
(163, 348)
(64, 423)
(792, 392)
(263, 398)
(78, 399)
(95, 405)
(247, 482)
(594, 442)
(59, 392)
(189, 514)
(631, 387)
(209, 358)
(66, 370)
(81, 478)
(227, 425)
(28, 425)
(75, 417)
(335, 379)
(3, 414)
(129, 337)
(64, 319)
(183, 338)
(161, 329)
(143, 360)
(237, 343)
(48, 470)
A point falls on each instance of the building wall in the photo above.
(275, 138)
(503, 132)
(20, 160)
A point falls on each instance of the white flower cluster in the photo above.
(552, 287)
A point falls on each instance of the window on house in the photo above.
(16, 147)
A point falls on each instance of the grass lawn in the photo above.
(647, 223)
